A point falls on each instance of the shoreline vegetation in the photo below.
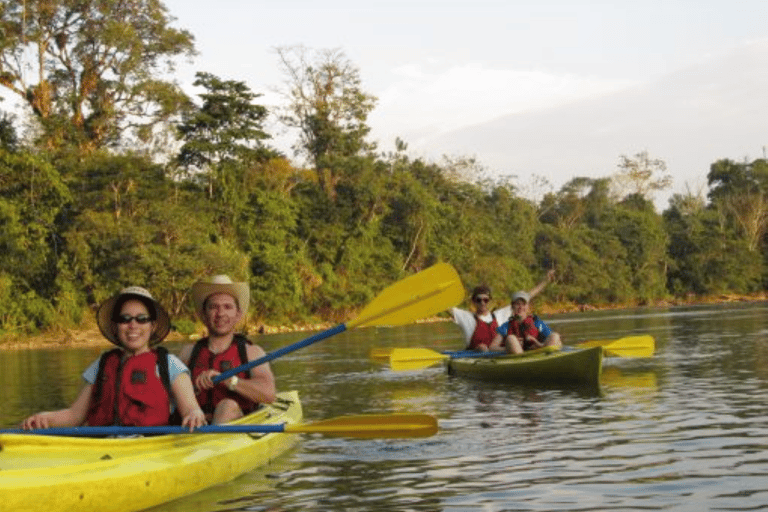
(89, 335)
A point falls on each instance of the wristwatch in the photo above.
(231, 383)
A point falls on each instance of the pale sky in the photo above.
(438, 66)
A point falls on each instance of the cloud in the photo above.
(690, 118)
(423, 102)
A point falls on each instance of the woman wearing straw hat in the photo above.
(221, 304)
(137, 384)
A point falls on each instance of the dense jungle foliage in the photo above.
(114, 176)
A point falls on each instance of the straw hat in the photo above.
(106, 314)
(201, 290)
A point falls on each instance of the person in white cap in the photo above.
(524, 331)
(137, 384)
(479, 328)
(221, 304)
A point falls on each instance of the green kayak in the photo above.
(539, 366)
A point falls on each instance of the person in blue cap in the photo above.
(524, 331)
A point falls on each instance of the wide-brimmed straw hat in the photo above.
(201, 290)
(107, 312)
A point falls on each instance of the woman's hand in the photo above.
(39, 420)
(194, 419)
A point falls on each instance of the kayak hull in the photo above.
(54, 473)
(571, 366)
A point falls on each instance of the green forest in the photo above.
(114, 176)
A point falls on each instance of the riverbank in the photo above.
(89, 335)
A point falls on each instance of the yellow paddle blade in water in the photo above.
(629, 346)
(418, 296)
(401, 359)
(370, 426)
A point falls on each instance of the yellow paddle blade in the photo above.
(420, 295)
(369, 426)
(404, 366)
(401, 359)
(415, 354)
(628, 352)
(629, 346)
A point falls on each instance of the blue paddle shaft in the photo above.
(281, 352)
(128, 431)
(457, 354)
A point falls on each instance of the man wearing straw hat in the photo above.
(221, 304)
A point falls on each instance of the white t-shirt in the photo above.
(466, 319)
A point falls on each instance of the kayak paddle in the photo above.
(419, 358)
(401, 359)
(423, 294)
(366, 426)
(629, 346)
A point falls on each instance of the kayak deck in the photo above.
(54, 473)
(566, 366)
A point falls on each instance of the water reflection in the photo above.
(639, 382)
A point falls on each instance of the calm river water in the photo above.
(685, 430)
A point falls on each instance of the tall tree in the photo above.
(708, 254)
(741, 191)
(328, 106)
(226, 131)
(124, 230)
(687, 223)
(641, 175)
(32, 195)
(89, 69)
(641, 231)
(567, 208)
(591, 265)
(9, 140)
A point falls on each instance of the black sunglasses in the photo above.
(484, 300)
(126, 319)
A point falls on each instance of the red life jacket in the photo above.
(484, 333)
(129, 392)
(522, 329)
(203, 359)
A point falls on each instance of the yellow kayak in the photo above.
(54, 473)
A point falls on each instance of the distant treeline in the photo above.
(118, 178)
